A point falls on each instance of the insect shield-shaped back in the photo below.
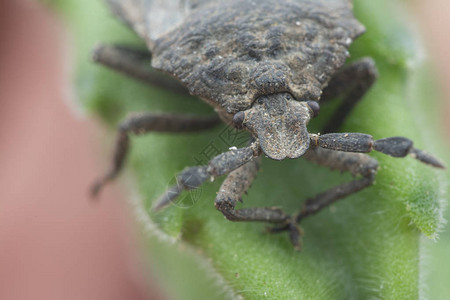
(279, 122)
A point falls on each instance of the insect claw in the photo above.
(295, 235)
(295, 232)
(96, 188)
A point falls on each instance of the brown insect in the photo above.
(263, 65)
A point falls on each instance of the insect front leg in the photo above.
(134, 63)
(225, 163)
(352, 82)
(149, 122)
(231, 191)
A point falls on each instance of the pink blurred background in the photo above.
(54, 244)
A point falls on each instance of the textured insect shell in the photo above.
(231, 53)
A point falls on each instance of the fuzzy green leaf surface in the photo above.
(366, 246)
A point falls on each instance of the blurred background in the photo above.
(54, 244)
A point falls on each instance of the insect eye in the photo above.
(238, 120)
(314, 105)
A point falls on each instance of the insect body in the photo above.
(264, 66)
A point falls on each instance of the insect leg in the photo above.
(352, 82)
(236, 184)
(134, 63)
(193, 177)
(147, 122)
(355, 163)
(334, 150)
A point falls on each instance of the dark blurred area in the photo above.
(54, 243)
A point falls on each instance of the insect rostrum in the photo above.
(264, 66)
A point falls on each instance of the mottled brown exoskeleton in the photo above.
(263, 65)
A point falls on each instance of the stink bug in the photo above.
(265, 66)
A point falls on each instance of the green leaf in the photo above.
(366, 246)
